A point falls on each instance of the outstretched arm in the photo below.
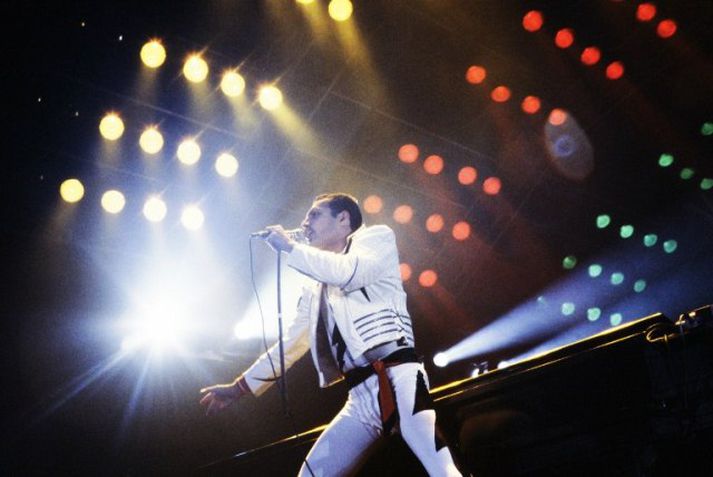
(218, 397)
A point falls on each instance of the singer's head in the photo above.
(330, 221)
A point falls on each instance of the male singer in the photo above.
(354, 319)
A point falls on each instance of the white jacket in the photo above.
(366, 296)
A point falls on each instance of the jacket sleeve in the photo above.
(370, 254)
(266, 369)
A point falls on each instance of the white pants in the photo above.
(345, 443)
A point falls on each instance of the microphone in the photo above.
(298, 235)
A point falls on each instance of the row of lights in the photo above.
(686, 173)
(427, 278)
(113, 202)
(339, 10)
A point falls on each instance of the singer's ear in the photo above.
(343, 217)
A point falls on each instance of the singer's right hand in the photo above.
(218, 397)
(279, 240)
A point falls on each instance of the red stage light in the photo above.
(615, 70)
(557, 117)
(405, 271)
(666, 29)
(532, 21)
(564, 38)
(428, 278)
(403, 214)
(434, 223)
(373, 204)
(591, 55)
(492, 186)
(531, 104)
(461, 231)
(475, 74)
(500, 94)
(467, 175)
(645, 12)
(433, 164)
(408, 153)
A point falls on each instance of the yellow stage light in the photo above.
(340, 10)
(151, 140)
(189, 152)
(195, 69)
(111, 126)
(305, 2)
(155, 209)
(113, 201)
(192, 218)
(226, 165)
(270, 97)
(153, 54)
(233, 84)
(71, 190)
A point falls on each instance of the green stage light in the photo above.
(593, 314)
(687, 173)
(569, 262)
(603, 220)
(626, 231)
(615, 319)
(650, 240)
(617, 278)
(706, 184)
(568, 308)
(595, 270)
(640, 285)
(665, 160)
(670, 246)
(707, 128)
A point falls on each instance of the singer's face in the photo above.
(322, 229)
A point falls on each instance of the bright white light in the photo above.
(226, 165)
(113, 201)
(503, 364)
(111, 127)
(340, 10)
(232, 84)
(155, 209)
(158, 326)
(189, 152)
(153, 54)
(441, 360)
(151, 140)
(192, 218)
(270, 97)
(195, 69)
(475, 373)
(71, 190)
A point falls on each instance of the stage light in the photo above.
(686, 173)
(617, 278)
(151, 140)
(706, 183)
(113, 201)
(305, 2)
(615, 70)
(340, 10)
(500, 94)
(406, 271)
(626, 231)
(192, 217)
(71, 190)
(645, 12)
(467, 175)
(665, 160)
(461, 231)
(427, 278)
(434, 223)
(594, 270)
(707, 128)
(564, 38)
(226, 165)
(603, 221)
(441, 360)
(408, 153)
(153, 54)
(650, 240)
(433, 164)
(270, 97)
(569, 262)
(615, 319)
(593, 313)
(403, 214)
(195, 69)
(492, 186)
(530, 104)
(373, 204)
(154, 209)
(557, 117)
(666, 29)
(158, 326)
(232, 84)
(591, 55)
(475, 74)
(639, 286)
(568, 308)
(670, 246)
(189, 152)
(532, 21)
(111, 127)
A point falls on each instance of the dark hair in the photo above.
(338, 201)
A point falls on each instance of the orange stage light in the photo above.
(467, 175)
(666, 29)
(645, 12)
(461, 231)
(475, 74)
(492, 186)
(591, 55)
(403, 214)
(434, 223)
(557, 117)
(428, 278)
(531, 104)
(564, 38)
(615, 70)
(500, 94)
(408, 153)
(405, 271)
(373, 204)
(433, 164)
(532, 21)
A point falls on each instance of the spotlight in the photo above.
(532, 21)
(590, 55)
(195, 69)
(71, 190)
(154, 209)
(475, 74)
(500, 94)
(557, 117)
(461, 231)
(113, 201)
(151, 140)
(270, 97)
(340, 10)
(433, 164)
(153, 54)
(111, 127)
(492, 186)
(232, 84)
(467, 175)
(373, 204)
(427, 278)
(226, 165)
(408, 153)
(531, 104)
(192, 217)
(403, 214)
(189, 152)
(441, 360)
(564, 38)
(434, 223)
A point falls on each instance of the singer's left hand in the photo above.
(278, 239)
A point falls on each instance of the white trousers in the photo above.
(346, 443)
